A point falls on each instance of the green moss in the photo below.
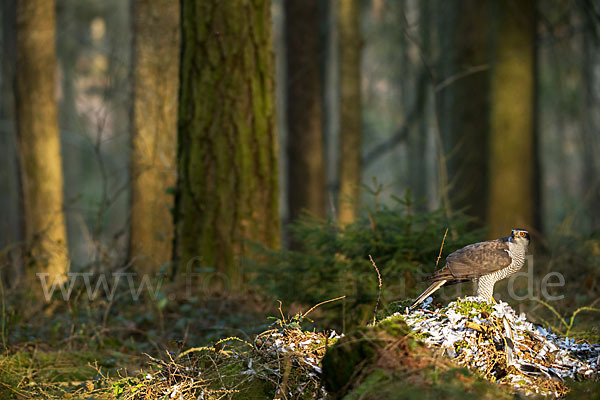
(420, 335)
(227, 151)
(426, 383)
(394, 326)
(588, 389)
(370, 385)
(32, 373)
(466, 307)
(462, 344)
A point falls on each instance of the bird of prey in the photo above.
(484, 262)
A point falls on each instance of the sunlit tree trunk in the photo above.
(39, 144)
(512, 157)
(350, 110)
(154, 131)
(464, 92)
(306, 171)
(227, 183)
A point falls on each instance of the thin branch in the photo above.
(380, 285)
(451, 79)
(441, 248)
(321, 303)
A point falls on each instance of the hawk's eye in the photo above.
(522, 234)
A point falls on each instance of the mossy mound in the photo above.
(386, 361)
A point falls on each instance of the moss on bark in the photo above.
(512, 157)
(227, 192)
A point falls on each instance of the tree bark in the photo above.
(417, 135)
(306, 171)
(227, 190)
(591, 118)
(11, 229)
(154, 132)
(512, 150)
(464, 102)
(39, 144)
(350, 110)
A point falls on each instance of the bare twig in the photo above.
(463, 74)
(321, 303)
(281, 312)
(556, 313)
(441, 248)
(380, 285)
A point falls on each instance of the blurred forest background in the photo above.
(135, 134)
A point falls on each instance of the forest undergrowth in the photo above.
(119, 347)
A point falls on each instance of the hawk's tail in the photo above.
(428, 292)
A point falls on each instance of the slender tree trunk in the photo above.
(39, 146)
(306, 171)
(11, 232)
(512, 161)
(154, 131)
(464, 97)
(591, 119)
(350, 110)
(417, 138)
(227, 151)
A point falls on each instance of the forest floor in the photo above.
(125, 349)
(82, 349)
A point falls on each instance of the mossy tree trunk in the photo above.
(227, 151)
(154, 131)
(464, 102)
(350, 110)
(39, 142)
(512, 150)
(306, 166)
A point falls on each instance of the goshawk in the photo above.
(485, 262)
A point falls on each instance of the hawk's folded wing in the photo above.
(479, 259)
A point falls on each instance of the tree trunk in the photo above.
(227, 153)
(417, 137)
(350, 110)
(306, 172)
(154, 131)
(11, 232)
(464, 96)
(39, 146)
(591, 119)
(512, 161)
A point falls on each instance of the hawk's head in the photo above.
(520, 236)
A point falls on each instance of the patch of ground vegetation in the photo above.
(185, 340)
(282, 362)
(386, 361)
(402, 238)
